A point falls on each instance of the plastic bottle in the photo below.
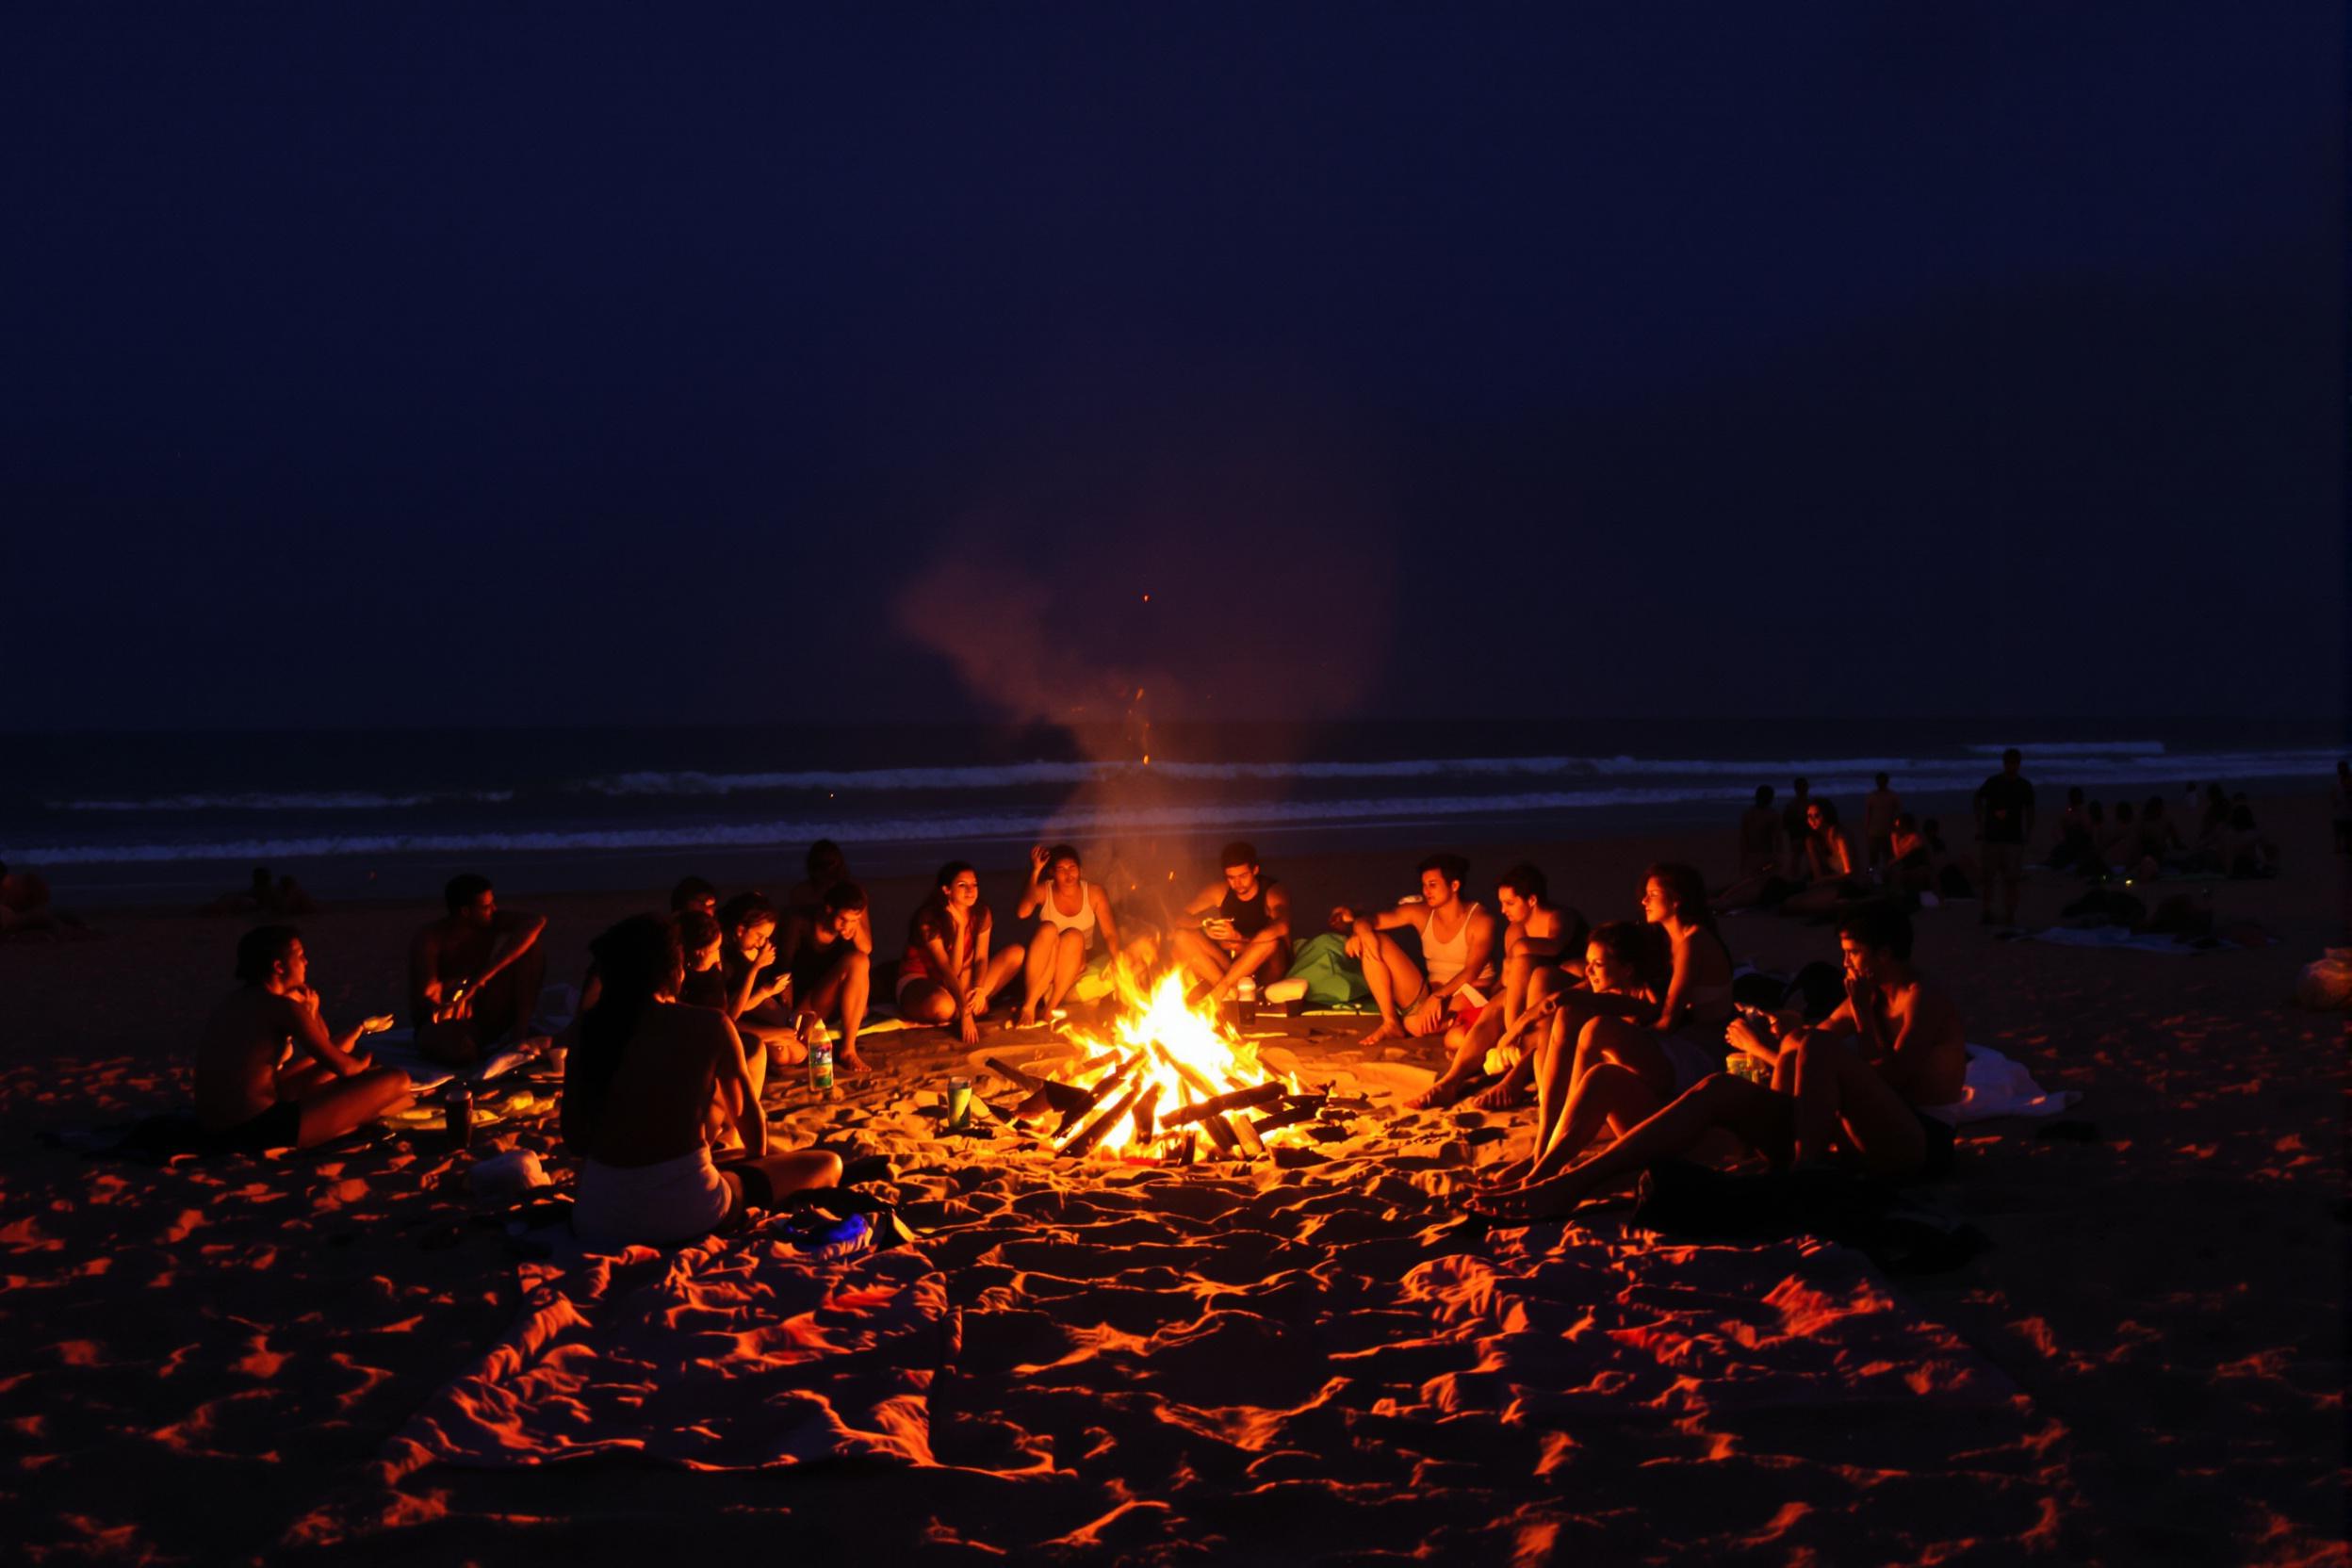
(820, 1057)
(1245, 1003)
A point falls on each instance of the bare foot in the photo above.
(968, 1029)
(1441, 1093)
(1389, 1030)
(1028, 1019)
(849, 1061)
(1503, 1096)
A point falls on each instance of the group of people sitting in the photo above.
(684, 1016)
(2147, 843)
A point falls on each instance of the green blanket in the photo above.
(1334, 979)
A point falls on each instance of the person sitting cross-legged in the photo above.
(268, 1073)
(1876, 1085)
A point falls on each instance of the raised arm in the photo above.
(1032, 892)
(309, 1032)
(515, 935)
(424, 973)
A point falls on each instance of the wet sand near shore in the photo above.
(1312, 1359)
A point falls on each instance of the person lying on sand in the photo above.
(637, 1091)
(1876, 1085)
(1075, 929)
(833, 971)
(1536, 938)
(1452, 983)
(269, 1075)
(1239, 928)
(474, 975)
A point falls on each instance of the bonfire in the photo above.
(1170, 1070)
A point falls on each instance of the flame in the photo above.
(1189, 1054)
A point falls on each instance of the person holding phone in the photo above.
(1242, 928)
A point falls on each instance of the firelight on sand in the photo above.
(1170, 1062)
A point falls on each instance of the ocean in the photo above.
(161, 818)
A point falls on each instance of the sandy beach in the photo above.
(1315, 1357)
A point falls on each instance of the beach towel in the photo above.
(2139, 942)
(1333, 978)
(788, 1342)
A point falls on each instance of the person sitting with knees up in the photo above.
(833, 970)
(1243, 927)
(268, 1073)
(949, 974)
(638, 1090)
(1075, 930)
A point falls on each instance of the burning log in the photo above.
(1091, 1134)
(1288, 1116)
(1246, 1135)
(1216, 1105)
(1193, 1079)
(1220, 1132)
(1043, 1094)
(1144, 1109)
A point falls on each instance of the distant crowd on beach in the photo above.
(1643, 1027)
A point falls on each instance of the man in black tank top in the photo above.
(1240, 926)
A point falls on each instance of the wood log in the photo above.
(1239, 1100)
(1091, 1134)
(1221, 1134)
(1145, 1109)
(1246, 1135)
(1193, 1079)
(1286, 1117)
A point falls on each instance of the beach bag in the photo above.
(1333, 978)
(2326, 983)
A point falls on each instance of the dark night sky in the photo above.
(411, 363)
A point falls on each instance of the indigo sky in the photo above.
(405, 364)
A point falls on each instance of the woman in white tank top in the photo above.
(1070, 912)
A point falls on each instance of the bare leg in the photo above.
(1608, 1093)
(1391, 976)
(1838, 1090)
(1068, 954)
(1453, 1082)
(926, 1002)
(1758, 1117)
(1248, 958)
(1202, 958)
(349, 1103)
(759, 1182)
(1036, 979)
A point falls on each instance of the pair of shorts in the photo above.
(2002, 862)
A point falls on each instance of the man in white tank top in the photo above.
(1075, 931)
(1449, 986)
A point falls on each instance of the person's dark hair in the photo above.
(1527, 881)
(2012, 755)
(695, 930)
(949, 873)
(1684, 890)
(1059, 853)
(690, 891)
(843, 897)
(1802, 785)
(1238, 853)
(1763, 795)
(1623, 939)
(463, 888)
(1827, 809)
(823, 856)
(1452, 867)
(1878, 926)
(744, 910)
(260, 949)
(1881, 779)
(636, 960)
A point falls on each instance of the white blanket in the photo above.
(1998, 1086)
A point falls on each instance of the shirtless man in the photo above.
(833, 970)
(1875, 1084)
(269, 1075)
(2004, 825)
(475, 974)
(1074, 928)
(1241, 926)
(1534, 938)
(1448, 988)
